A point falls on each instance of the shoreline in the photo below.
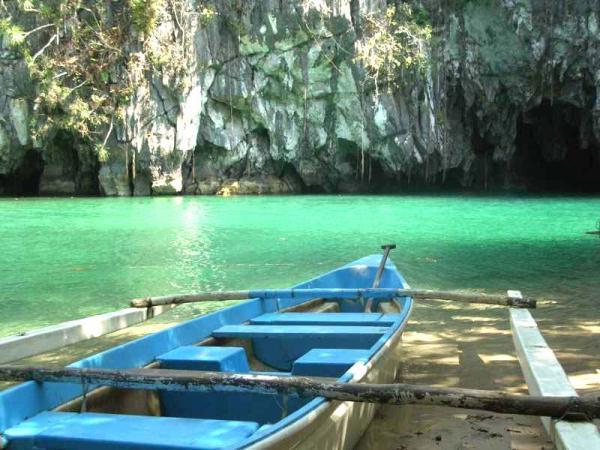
(408, 193)
(472, 349)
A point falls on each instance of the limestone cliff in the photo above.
(271, 99)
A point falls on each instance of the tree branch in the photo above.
(110, 128)
(42, 27)
(43, 49)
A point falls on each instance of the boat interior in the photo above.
(286, 337)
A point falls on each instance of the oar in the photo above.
(394, 394)
(509, 299)
(386, 252)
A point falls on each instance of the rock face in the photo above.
(272, 101)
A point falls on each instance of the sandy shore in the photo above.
(445, 344)
(464, 346)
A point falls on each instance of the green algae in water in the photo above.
(68, 258)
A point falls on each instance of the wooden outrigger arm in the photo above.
(573, 408)
(509, 299)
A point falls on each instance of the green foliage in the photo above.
(207, 14)
(12, 35)
(76, 55)
(394, 42)
(144, 14)
(50, 10)
(102, 152)
(71, 55)
(421, 17)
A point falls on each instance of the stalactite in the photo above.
(362, 165)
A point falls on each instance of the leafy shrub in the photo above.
(144, 14)
(394, 42)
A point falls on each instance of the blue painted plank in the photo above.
(391, 318)
(280, 345)
(93, 431)
(246, 406)
(331, 362)
(219, 359)
(301, 318)
(297, 331)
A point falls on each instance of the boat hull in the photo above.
(259, 334)
(336, 425)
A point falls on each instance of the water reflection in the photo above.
(191, 250)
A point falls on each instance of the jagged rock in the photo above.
(114, 175)
(19, 115)
(11, 156)
(207, 187)
(272, 101)
(69, 169)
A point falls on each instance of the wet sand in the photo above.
(445, 344)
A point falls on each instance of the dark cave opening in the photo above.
(556, 150)
(361, 171)
(25, 181)
(377, 180)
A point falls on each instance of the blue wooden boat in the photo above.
(286, 336)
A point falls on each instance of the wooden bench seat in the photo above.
(94, 431)
(307, 318)
(328, 362)
(237, 406)
(351, 332)
(280, 345)
(218, 359)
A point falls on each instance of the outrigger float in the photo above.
(288, 368)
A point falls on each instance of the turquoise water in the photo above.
(67, 258)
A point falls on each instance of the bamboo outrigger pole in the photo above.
(515, 301)
(570, 408)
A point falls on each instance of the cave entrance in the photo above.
(25, 181)
(556, 150)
